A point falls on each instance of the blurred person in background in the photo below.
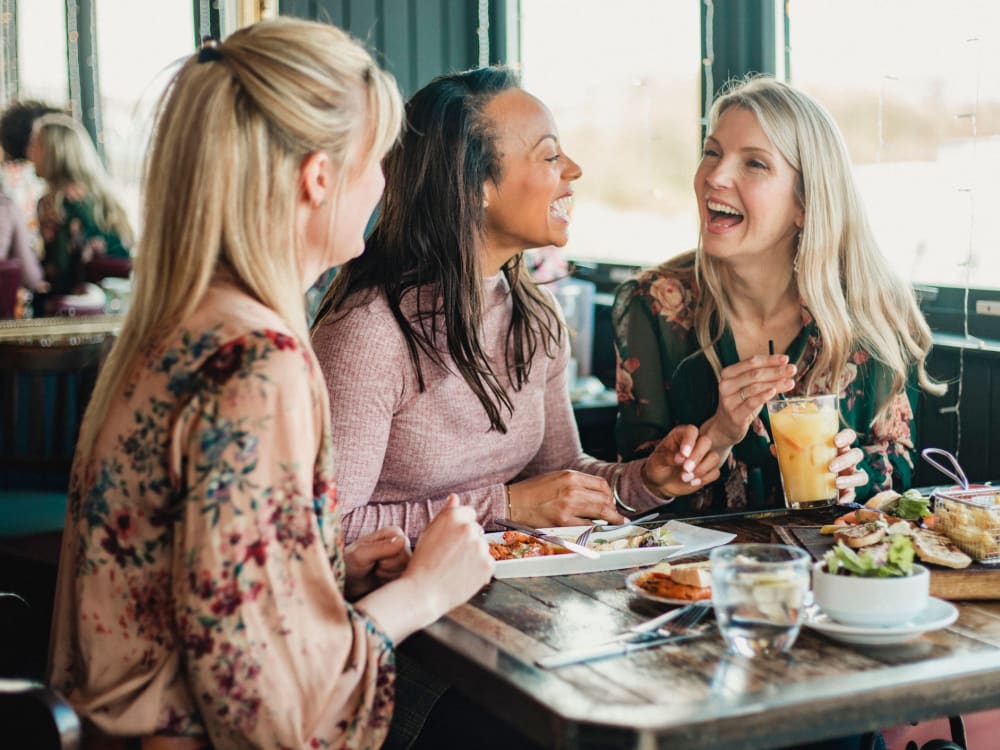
(17, 176)
(79, 217)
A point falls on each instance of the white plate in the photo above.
(690, 539)
(938, 614)
(632, 584)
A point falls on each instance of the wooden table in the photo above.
(693, 695)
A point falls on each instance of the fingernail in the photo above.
(695, 482)
(689, 466)
(686, 450)
(687, 477)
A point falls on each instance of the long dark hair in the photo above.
(431, 227)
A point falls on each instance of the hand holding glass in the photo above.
(803, 430)
(758, 592)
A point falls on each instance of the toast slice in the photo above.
(697, 574)
(934, 547)
(860, 536)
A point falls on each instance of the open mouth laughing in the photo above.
(561, 208)
(722, 216)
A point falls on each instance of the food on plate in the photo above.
(689, 581)
(934, 547)
(862, 535)
(637, 538)
(516, 545)
(890, 558)
(971, 519)
(911, 505)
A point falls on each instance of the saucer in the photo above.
(936, 615)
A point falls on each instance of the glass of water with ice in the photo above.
(759, 592)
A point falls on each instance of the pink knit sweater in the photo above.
(399, 452)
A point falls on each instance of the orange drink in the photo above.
(803, 430)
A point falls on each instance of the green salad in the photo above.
(891, 558)
(912, 506)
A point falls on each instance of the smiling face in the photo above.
(746, 193)
(530, 205)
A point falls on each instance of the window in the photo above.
(915, 87)
(622, 81)
(41, 30)
(134, 66)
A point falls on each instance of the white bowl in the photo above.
(871, 602)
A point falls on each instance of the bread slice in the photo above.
(883, 501)
(934, 547)
(693, 574)
(860, 536)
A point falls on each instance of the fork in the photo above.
(602, 527)
(681, 628)
(674, 622)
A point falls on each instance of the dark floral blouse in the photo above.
(664, 379)
(201, 579)
(72, 238)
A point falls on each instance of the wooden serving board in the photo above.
(978, 581)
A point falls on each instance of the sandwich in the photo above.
(689, 582)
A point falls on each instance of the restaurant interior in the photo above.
(915, 88)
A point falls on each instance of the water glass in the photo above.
(759, 592)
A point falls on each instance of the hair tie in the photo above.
(209, 51)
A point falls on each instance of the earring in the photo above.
(795, 261)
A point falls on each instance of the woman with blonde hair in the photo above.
(79, 216)
(787, 261)
(205, 595)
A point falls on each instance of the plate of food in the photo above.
(519, 555)
(673, 584)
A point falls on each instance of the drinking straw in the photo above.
(770, 350)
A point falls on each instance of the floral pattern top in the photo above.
(664, 379)
(72, 238)
(201, 581)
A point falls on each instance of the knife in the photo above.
(550, 538)
(605, 650)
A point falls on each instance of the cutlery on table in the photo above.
(599, 527)
(681, 628)
(550, 538)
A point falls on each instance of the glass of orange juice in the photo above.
(803, 430)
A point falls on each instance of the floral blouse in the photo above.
(201, 578)
(72, 237)
(664, 379)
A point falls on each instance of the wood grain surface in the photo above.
(693, 694)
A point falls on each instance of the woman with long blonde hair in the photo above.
(786, 261)
(205, 595)
(79, 217)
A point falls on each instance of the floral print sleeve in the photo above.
(201, 578)
(885, 435)
(652, 320)
(274, 653)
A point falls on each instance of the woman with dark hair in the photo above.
(445, 363)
